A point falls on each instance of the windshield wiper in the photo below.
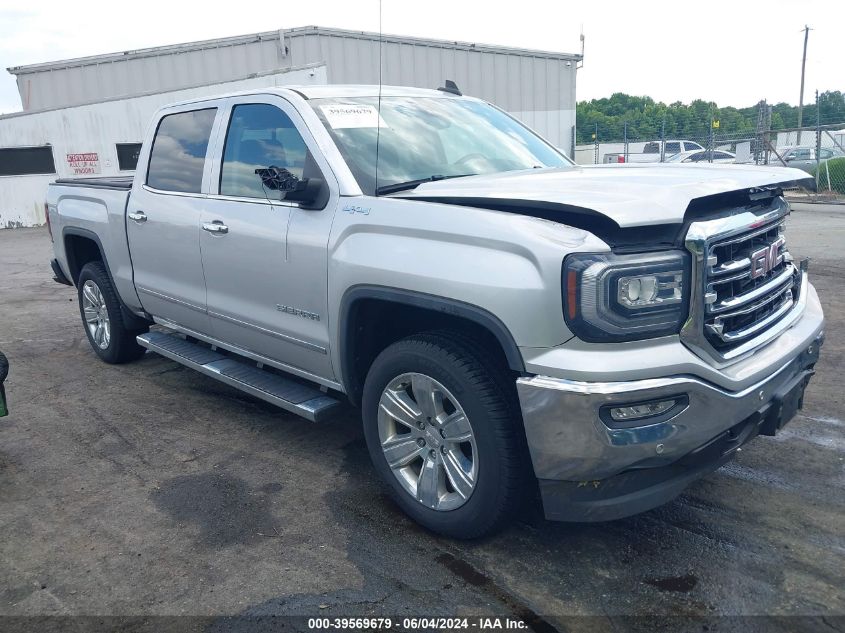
(411, 184)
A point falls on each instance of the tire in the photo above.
(104, 325)
(488, 489)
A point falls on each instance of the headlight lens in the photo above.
(611, 297)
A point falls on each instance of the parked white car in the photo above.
(651, 152)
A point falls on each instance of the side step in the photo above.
(309, 402)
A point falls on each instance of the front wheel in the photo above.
(443, 433)
(103, 319)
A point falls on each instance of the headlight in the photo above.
(610, 297)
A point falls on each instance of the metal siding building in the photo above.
(536, 86)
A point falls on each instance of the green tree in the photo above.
(645, 117)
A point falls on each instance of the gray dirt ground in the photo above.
(151, 489)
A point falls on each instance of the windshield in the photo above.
(424, 137)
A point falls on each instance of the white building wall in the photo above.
(96, 128)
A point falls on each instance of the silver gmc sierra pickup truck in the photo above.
(506, 321)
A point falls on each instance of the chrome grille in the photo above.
(750, 283)
(746, 289)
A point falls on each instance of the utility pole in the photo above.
(801, 96)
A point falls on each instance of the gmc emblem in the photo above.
(765, 259)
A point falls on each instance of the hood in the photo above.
(629, 195)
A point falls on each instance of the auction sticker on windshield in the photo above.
(343, 115)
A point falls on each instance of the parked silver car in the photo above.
(703, 156)
(804, 157)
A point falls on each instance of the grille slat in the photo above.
(771, 286)
(750, 285)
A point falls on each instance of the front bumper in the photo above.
(593, 470)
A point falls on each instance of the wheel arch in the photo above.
(361, 340)
(83, 246)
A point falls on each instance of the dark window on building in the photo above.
(260, 135)
(21, 161)
(127, 155)
(177, 158)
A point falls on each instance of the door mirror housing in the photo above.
(292, 188)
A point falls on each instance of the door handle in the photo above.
(215, 227)
(138, 216)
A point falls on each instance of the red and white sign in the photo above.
(84, 164)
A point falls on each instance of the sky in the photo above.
(731, 52)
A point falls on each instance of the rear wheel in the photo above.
(443, 433)
(103, 319)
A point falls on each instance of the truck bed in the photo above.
(99, 182)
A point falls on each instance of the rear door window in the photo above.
(672, 148)
(177, 158)
(260, 135)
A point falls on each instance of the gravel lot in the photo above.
(149, 489)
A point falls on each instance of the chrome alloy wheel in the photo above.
(96, 314)
(428, 441)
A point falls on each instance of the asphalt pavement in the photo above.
(150, 490)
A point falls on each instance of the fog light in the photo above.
(638, 411)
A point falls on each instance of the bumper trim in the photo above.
(636, 491)
(568, 440)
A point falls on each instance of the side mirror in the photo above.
(291, 187)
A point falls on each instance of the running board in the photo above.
(309, 402)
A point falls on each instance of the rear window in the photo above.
(177, 158)
(23, 161)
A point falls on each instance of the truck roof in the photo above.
(365, 90)
(332, 91)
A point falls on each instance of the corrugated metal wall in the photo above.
(538, 86)
(88, 80)
(516, 81)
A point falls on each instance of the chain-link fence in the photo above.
(818, 150)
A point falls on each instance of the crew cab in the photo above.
(506, 321)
